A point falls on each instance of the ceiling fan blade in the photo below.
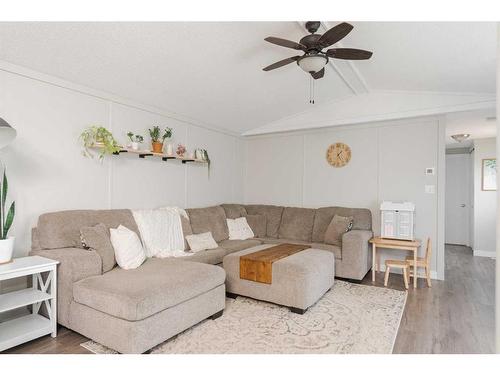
(285, 43)
(281, 63)
(349, 53)
(335, 34)
(318, 74)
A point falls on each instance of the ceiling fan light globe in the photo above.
(312, 63)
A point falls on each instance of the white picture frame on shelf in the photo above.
(489, 175)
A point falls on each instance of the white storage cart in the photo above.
(397, 220)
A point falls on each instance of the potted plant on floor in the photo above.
(99, 138)
(157, 138)
(135, 140)
(6, 243)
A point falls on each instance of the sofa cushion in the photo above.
(201, 242)
(336, 229)
(297, 223)
(186, 230)
(155, 286)
(234, 211)
(272, 214)
(213, 256)
(209, 219)
(97, 238)
(62, 229)
(258, 224)
(362, 219)
(236, 245)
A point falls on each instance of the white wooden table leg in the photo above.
(53, 302)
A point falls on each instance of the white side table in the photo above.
(17, 331)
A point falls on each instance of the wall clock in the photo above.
(338, 155)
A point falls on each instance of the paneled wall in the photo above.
(47, 171)
(388, 162)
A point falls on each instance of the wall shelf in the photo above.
(165, 157)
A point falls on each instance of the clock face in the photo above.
(338, 155)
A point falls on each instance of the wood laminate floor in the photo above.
(454, 316)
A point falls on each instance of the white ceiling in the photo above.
(211, 72)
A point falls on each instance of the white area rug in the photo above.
(350, 318)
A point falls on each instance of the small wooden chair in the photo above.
(402, 264)
(424, 262)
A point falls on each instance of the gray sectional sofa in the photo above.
(133, 310)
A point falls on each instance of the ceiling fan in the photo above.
(314, 59)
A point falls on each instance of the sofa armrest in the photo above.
(356, 254)
(74, 264)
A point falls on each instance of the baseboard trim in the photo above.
(481, 253)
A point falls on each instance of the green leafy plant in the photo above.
(205, 157)
(156, 134)
(100, 138)
(135, 137)
(5, 220)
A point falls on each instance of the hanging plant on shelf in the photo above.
(98, 137)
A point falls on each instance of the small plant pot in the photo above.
(6, 250)
(134, 146)
(157, 147)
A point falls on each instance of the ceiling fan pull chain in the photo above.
(312, 89)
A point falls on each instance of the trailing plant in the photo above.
(156, 134)
(5, 220)
(207, 159)
(98, 136)
(135, 137)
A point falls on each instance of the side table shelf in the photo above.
(28, 327)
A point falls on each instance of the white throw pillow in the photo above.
(202, 241)
(239, 229)
(129, 252)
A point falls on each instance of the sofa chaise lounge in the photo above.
(131, 311)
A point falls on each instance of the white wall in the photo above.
(47, 172)
(485, 202)
(388, 163)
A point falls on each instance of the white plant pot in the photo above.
(6, 250)
(135, 146)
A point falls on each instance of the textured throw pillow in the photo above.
(258, 223)
(337, 227)
(202, 241)
(129, 252)
(97, 238)
(239, 229)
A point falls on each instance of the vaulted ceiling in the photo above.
(212, 72)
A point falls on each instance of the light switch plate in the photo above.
(430, 189)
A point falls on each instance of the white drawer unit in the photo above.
(28, 327)
(397, 220)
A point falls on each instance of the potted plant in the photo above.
(100, 138)
(157, 138)
(6, 243)
(135, 140)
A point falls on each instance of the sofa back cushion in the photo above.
(62, 229)
(258, 223)
(186, 230)
(209, 219)
(234, 211)
(297, 223)
(272, 214)
(362, 220)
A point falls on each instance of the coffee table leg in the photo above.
(374, 263)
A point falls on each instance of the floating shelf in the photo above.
(165, 157)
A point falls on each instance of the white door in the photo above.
(458, 184)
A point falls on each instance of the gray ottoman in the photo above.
(299, 280)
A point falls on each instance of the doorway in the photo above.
(458, 204)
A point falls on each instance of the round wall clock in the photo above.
(338, 155)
